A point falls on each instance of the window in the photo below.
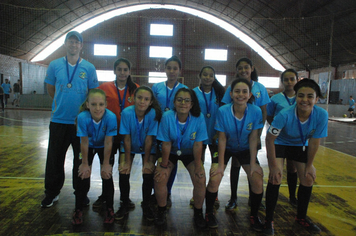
(221, 79)
(105, 75)
(161, 30)
(156, 77)
(105, 50)
(269, 82)
(160, 52)
(216, 54)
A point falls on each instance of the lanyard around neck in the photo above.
(69, 85)
(139, 130)
(302, 137)
(168, 98)
(208, 105)
(95, 131)
(239, 132)
(290, 101)
(179, 132)
(121, 101)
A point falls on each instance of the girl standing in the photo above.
(295, 133)
(210, 93)
(237, 124)
(96, 128)
(165, 92)
(119, 95)
(245, 69)
(139, 125)
(279, 101)
(182, 132)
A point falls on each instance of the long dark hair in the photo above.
(245, 81)
(218, 88)
(130, 84)
(155, 105)
(195, 110)
(254, 75)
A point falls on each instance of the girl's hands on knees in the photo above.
(148, 168)
(84, 171)
(255, 168)
(125, 168)
(199, 172)
(275, 175)
(106, 171)
(216, 169)
(160, 173)
(310, 170)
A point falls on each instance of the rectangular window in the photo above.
(221, 79)
(105, 50)
(105, 75)
(215, 54)
(161, 30)
(160, 52)
(269, 82)
(156, 77)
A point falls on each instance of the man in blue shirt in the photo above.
(351, 106)
(7, 90)
(68, 81)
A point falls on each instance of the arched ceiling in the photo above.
(300, 34)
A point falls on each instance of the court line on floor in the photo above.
(25, 121)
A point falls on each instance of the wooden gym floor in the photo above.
(23, 147)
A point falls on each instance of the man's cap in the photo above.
(76, 34)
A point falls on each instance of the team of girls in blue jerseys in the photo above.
(171, 123)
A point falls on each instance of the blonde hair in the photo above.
(84, 107)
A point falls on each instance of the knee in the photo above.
(307, 181)
(214, 183)
(199, 182)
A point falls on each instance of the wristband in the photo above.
(165, 167)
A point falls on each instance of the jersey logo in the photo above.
(274, 131)
(82, 75)
(258, 95)
(129, 99)
(193, 135)
(249, 126)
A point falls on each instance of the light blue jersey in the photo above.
(148, 126)
(160, 92)
(278, 103)
(96, 132)
(6, 87)
(237, 137)
(66, 102)
(351, 103)
(209, 104)
(195, 132)
(285, 126)
(258, 90)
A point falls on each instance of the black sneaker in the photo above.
(109, 217)
(48, 201)
(268, 228)
(77, 218)
(99, 202)
(256, 224)
(161, 218)
(148, 213)
(293, 202)
(120, 214)
(199, 220)
(211, 221)
(231, 205)
(169, 201)
(130, 204)
(308, 225)
(86, 202)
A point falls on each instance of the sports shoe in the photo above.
(48, 201)
(77, 217)
(99, 202)
(161, 217)
(199, 220)
(217, 202)
(169, 201)
(268, 228)
(293, 202)
(86, 202)
(308, 225)
(256, 224)
(211, 221)
(231, 205)
(120, 214)
(148, 213)
(109, 217)
(191, 202)
(130, 204)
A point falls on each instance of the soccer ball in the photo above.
(345, 116)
